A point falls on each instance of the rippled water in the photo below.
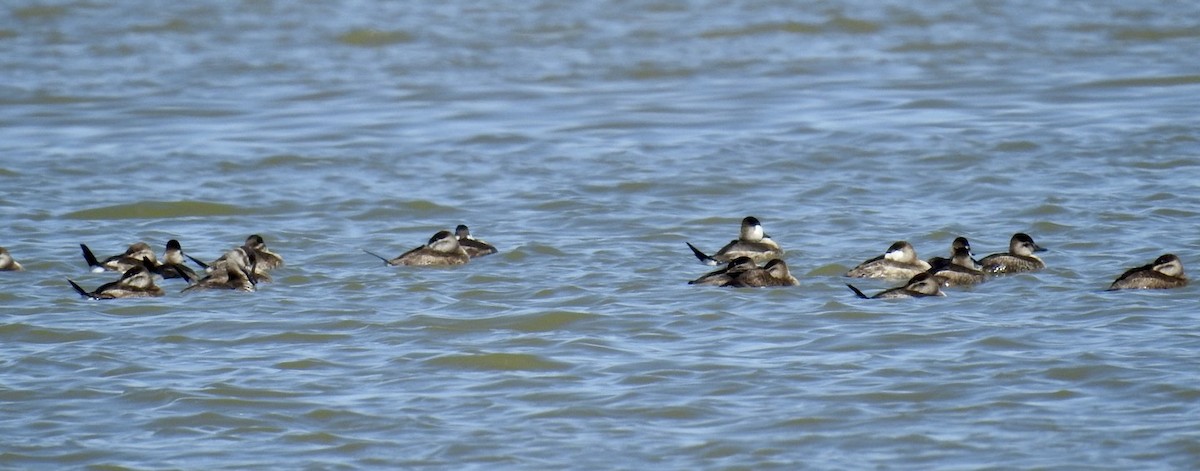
(589, 142)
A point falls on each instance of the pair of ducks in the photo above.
(742, 256)
(239, 269)
(443, 249)
(901, 261)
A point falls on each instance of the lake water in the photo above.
(589, 142)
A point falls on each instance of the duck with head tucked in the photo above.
(920, 286)
(137, 282)
(900, 261)
(752, 242)
(1166, 272)
(442, 249)
(133, 256)
(475, 248)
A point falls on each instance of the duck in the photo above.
(900, 261)
(958, 271)
(475, 248)
(920, 286)
(255, 245)
(726, 275)
(1166, 272)
(7, 263)
(442, 249)
(752, 242)
(172, 265)
(1019, 258)
(136, 282)
(133, 256)
(233, 271)
(773, 273)
(959, 242)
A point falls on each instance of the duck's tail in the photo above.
(705, 259)
(80, 290)
(857, 291)
(90, 258)
(373, 254)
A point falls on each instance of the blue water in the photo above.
(589, 142)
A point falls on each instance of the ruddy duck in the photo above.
(7, 263)
(266, 260)
(442, 249)
(726, 275)
(774, 273)
(900, 261)
(132, 257)
(1019, 258)
(959, 243)
(919, 286)
(137, 282)
(172, 263)
(751, 242)
(234, 271)
(958, 271)
(474, 247)
(1166, 272)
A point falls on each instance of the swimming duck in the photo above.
(474, 247)
(7, 263)
(265, 259)
(1166, 272)
(172, 263)
(137, 282)
(751, 242)
(899, 261)
(725, 275)
(442, 249)
(958, 271)
(1019, 258)
(233, 271)
(774, 273)
(959, 242)
(132, 257)
(919, 286)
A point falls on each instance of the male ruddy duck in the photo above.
(137, 282)
(900, 261)
(442, 249)
(919, 286)
(774, 273)
(959, 243)
(751, 242)
(726, 275)
(132, 257)
(958, 271)
(1166, 272)
(172, 263)
(7, 263)
(1019, 258)
(233, 271)
(474, 247)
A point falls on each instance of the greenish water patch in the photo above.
(498, 361)
(370, 37)
(1170, 81)
(39, 12)
(158, 210)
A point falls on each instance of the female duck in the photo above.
(726, 275)
(919, 286)
(1018, 259)
(900, 261)
(774, 273)
(132, 257)
(233, 271)
(958, 271)
(137, 282)
(1166, 272)
(442, 249)
(751, 242)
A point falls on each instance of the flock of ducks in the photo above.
(900, 261)
(243, 267)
